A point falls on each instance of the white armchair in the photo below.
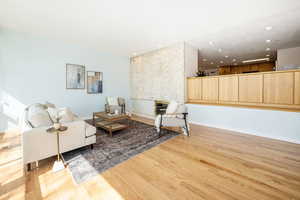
(115, 103)
(176, 116)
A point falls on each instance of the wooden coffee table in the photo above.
(110, 122)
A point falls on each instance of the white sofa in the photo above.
(38, 144)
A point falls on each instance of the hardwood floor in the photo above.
(211, 164)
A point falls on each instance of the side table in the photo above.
(59, 163)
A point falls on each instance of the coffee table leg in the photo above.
(110, 131)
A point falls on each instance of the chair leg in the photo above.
(92, 146)
(28, 166)
(187, 128)
(160, 125)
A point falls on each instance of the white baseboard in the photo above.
(247, 133)
(143, 115)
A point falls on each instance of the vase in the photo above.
(56, 125)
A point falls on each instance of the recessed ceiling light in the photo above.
(221, 61)
(211, 63)
(226, 56)
(267, 55)
(268, 28)
(268, 49)
(204, 59)
(233, 60)
(220, 50)
(211, 43)
(268, 41)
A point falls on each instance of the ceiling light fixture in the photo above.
(226, 56)
(268, 49)
(256, 60)
(211, 63)
(134, 54)
(233, 60)
(268, 28)
(211, 43)
(267, 55)
(204, 59)
(268, 41)
(221, 61)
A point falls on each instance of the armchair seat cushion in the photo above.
(169, 121)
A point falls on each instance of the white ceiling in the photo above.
(135, 26)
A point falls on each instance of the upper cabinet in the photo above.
(239, 69)
(279, 88)
(276, 90)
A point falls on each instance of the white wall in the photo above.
(144, 108)
(288, 57)
(35, 72)
(267, 123)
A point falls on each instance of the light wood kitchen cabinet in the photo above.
(228, 88)
(297, 88)
(210, 89)
(279, 88)
(194, 89)
(251, 88)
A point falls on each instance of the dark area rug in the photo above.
(85, 162)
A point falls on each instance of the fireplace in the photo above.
(160, 107)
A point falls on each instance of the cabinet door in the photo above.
(297, 88)
(279, 88)
(194, 89)
(251, 88)
(228, 88)
(210, 89)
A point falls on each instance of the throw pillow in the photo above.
(54, 113)
(172, 107)
(49, 105)
(66, 115)
(38, 116)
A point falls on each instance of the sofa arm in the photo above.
(39, 144)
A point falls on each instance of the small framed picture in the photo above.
(75, 76)
(94, 82)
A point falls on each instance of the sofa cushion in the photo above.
(38, 116)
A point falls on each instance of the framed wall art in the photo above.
(75, 76)
(94, 82)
